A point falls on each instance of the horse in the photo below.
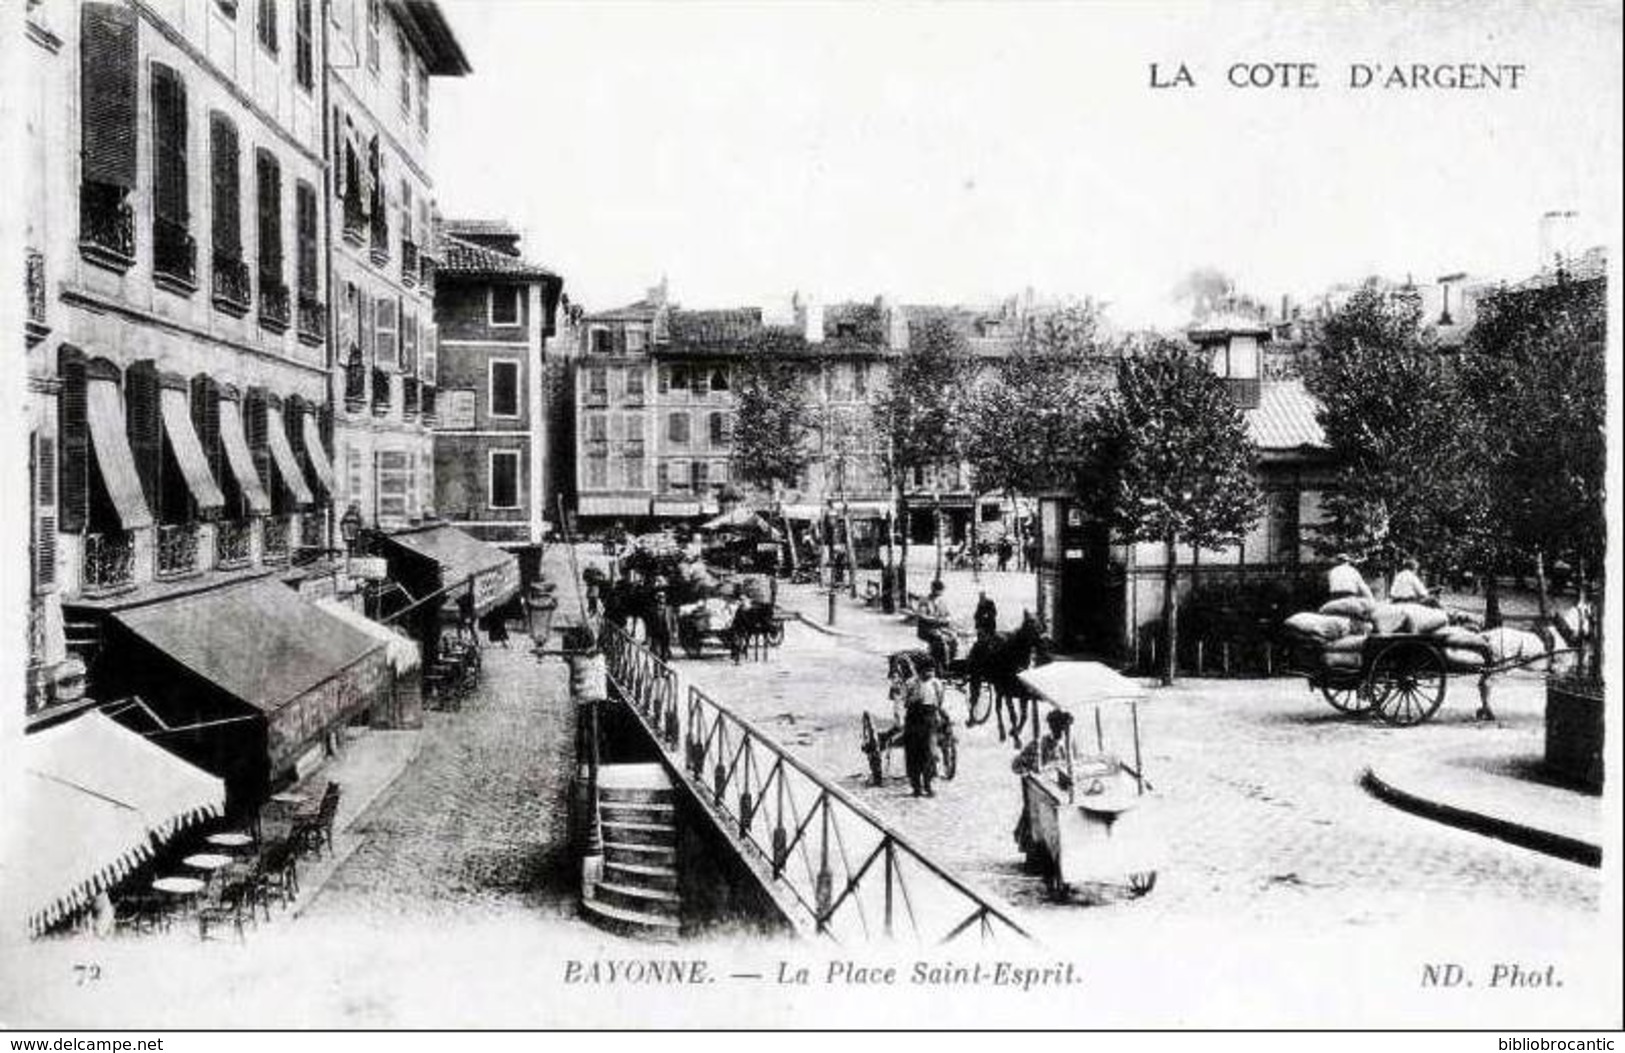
(995, 661)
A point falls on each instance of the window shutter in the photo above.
(44, 534)
(305, 214)
(73, 423)
(259, 445)
(269, 187)
(145, 429)
(665, 379)
(169, 145)
(108, 93)
(226, 180)
(206, 419)
(365, 303)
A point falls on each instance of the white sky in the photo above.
(962, 152)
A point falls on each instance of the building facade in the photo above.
(495, 313)
(383, 56)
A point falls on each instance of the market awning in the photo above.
(317, 453)
(665, 507)
(286, 462)
(188, 450)
(403, 653)
(301, 668)
(740, 519)
(96, 800)
(238, 457)
(113, 456)
(1068, 684)
(591, 505)
(460, 558)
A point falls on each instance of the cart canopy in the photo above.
(1068, 684)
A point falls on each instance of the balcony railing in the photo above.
(355, 382)
(312, 319)
(409, 397)
(426, 403)
(847, 873)
(232, 292)
(35, 324)
(1244, 390)
(380, 392)
(109, 560)
(174, 257)
(177, 549)
(409, 262)
(380, 234)
(355, 220)
(278, 530)
(106, 226)
(231, 543)
(274, 308)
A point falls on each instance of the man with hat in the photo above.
(932, 627)
(1344, 579)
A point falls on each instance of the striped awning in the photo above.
(188, 450)
(319, 460)
(113, 456)
(286, 462)
(241, 461)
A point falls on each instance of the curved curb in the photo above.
(1559, 845)
(826, 630)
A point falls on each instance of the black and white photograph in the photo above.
(811, 515)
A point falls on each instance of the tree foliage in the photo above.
(922, 416)
(774, 422)
(1410, 450)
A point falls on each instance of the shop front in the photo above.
(439, 574)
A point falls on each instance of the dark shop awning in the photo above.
(459, 557)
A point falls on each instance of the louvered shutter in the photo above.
(206, 421)
(305, 205)
(368, 328)
(144, 425)
(268, 183)
(108, 93)
(73, 423)
(169, 145)
(45, 514)
(226, 182)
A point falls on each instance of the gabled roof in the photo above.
(465, 259)
(1285, 417)
(426, 24)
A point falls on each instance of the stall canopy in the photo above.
(240, 459)
(454, 559)
(113, 456)
(1073, 684)
(317, 453)
(299, 668)
(286, 462)
(188, 450)
(403, 652)
(96, 800)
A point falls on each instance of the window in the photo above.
(504, 481)
(393, 469)
(503, 384)
(168, 145)
(598, 383)
(108, 88)
(406, 210)
(719, 380)
(634, 472)
(224, 181)
(597, 471)
(719, 472)
(677, 428)
(409, 342)
(717, 425)
(268, 185)
(679, 476)
(304, 200)
(634, 384)
(355, 481)
(423, 99)
(679, 378)
(386, 332)
(304, 69)
(860, 379)
(405, 80)
(663, 477)
(1285, 526)
(603, 341)
(634, 428)
(700, 474)
(375, 17)
(636, 338)
(505, 310)
(265, 25)
(597, 429)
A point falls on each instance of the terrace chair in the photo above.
(276, 874)
(312, 832)
(140, 912)
(234, 906)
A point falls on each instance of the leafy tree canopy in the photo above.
(774, 421)
(922, 416)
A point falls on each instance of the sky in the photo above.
(964, 152)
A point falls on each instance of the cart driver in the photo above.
(1045, 754)
(932, 627)
(1344, 579)
(1408, 587)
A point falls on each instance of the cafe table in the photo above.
(231, 840)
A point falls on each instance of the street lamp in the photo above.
(350, 529)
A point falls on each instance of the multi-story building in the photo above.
(382, 220)
(495, 313)
(655, 406)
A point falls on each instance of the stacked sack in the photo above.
(1341, 626)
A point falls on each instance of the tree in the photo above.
(1411, 472)
(1210, 291)
(774, 421)
(921, 416)
(1534, 370)
(1180, 460)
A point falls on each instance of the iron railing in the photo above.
(409, 262)
(177, 549)
(852, 876)
(277, 534)
(174, 253)
(381, 395)
(232, 292)
(274, 312)
(109, 560)
(106, 225)
(312, 319)
(231, 543)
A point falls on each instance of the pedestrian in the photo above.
(1408, 586)
(920, 717)
(1029, 551)
(932, 626)
(1007, 548)
(1040, 756)
(986, 618)
(661, 625)
(1344, 579)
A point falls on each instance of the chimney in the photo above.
(1286, 307)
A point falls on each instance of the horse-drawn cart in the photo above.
(751, 628)
(877, 742)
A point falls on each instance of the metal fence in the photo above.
(852, 876)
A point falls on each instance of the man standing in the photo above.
(920, 716)
(1007, 548)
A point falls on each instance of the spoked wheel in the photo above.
(1346, 696)
(1407, 683)
(1142, 881)
(871, 749)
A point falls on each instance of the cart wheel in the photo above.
(1347, 697)
(871, 749)
(1407, 683)
(1142, 881)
